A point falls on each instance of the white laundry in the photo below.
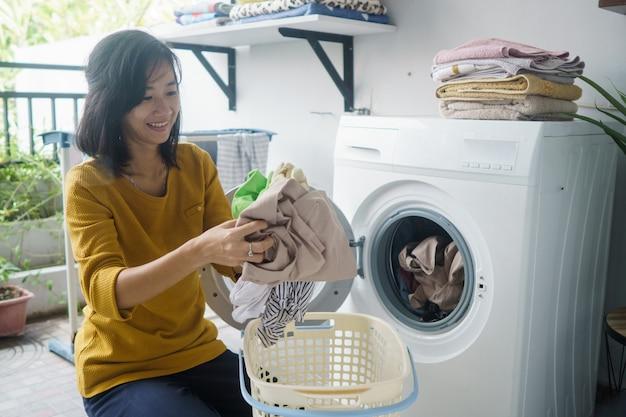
(248, 299)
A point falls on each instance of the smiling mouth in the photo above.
(157, 125)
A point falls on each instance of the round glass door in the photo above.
(422, 269)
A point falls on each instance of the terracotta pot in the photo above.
(13, 312)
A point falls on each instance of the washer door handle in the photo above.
(359, 244)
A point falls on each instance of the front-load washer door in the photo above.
(327, 296)
(425, 268)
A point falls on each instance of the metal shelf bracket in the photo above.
(229, 88)
(345, 85)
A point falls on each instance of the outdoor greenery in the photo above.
(25, 23)
(32, 22)
(29, 189)
(620, 106)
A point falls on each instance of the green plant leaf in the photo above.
(619, 138)
(611, 115)
(621, 93)
(619, 106)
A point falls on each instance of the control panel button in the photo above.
(507, 167)
(485, 166)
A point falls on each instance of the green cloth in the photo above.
(248, 192)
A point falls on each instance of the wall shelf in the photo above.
(618, 6)
(266, 31)
(205, 37)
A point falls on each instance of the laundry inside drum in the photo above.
(421, 271)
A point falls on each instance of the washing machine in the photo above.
(527, 206)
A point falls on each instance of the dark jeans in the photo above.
(208, 390)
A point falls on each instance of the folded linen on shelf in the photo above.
(220, 7)
(530, 108)
(495, 48)
(506, 88)
(368, 7)
(189, 19)
(313, 9)
(553, 69)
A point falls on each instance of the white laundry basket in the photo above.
(330, 365)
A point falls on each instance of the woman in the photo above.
(144, 215)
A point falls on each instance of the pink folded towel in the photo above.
(494, 48)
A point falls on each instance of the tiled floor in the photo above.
(37, 383)
(33, 381)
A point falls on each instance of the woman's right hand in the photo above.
(225, 244)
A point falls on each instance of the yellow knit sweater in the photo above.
(112, 226)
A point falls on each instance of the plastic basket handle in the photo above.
(365, 412)
(335, 392)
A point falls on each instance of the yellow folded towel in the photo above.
(518, 86)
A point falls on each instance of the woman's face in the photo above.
(150, 122)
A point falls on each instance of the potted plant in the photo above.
(13, 302)
(31, 233)
(620, 106)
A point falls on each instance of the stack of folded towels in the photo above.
(247, 11)
(502, 80)
(215, 12)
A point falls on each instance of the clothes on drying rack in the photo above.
(239, 153)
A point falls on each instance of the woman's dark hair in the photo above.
(117, 73)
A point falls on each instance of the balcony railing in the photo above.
(29, 96)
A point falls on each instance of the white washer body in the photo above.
(532, 200)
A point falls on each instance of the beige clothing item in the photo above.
(518, 86)
(310, 243)
(529, 108)
(439, 271)
(288, 170)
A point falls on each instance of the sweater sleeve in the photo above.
(95, 246)
(216, 205)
